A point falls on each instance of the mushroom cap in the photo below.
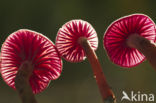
(67, 40)
(26, 45)
(117, 33)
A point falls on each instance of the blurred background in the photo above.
(76, 84)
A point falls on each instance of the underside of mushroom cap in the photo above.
(116, 36)
(26, 45)
(68, 37)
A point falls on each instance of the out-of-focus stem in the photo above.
(147, 48)
(22, 83)
(106, 92)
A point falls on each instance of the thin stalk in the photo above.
(22, 83)
(147, 48)
(106, 92)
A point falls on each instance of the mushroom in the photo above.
(29, 61)
(130, 39)
(77, 40)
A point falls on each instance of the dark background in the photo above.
(76, 84)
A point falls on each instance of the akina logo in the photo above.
(138, 96)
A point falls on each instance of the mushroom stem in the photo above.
(22, 83)
(106, 92)
(144, 46)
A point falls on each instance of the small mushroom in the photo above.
(130, 39)
(29, 61)
(77, 40)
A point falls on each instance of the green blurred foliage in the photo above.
(76, 84)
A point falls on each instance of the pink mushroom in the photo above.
(130, 39)
(67, 40)
(78, 39)
(29, 61)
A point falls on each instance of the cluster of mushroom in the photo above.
(29, 60)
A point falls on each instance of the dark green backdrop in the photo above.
(76, 84)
